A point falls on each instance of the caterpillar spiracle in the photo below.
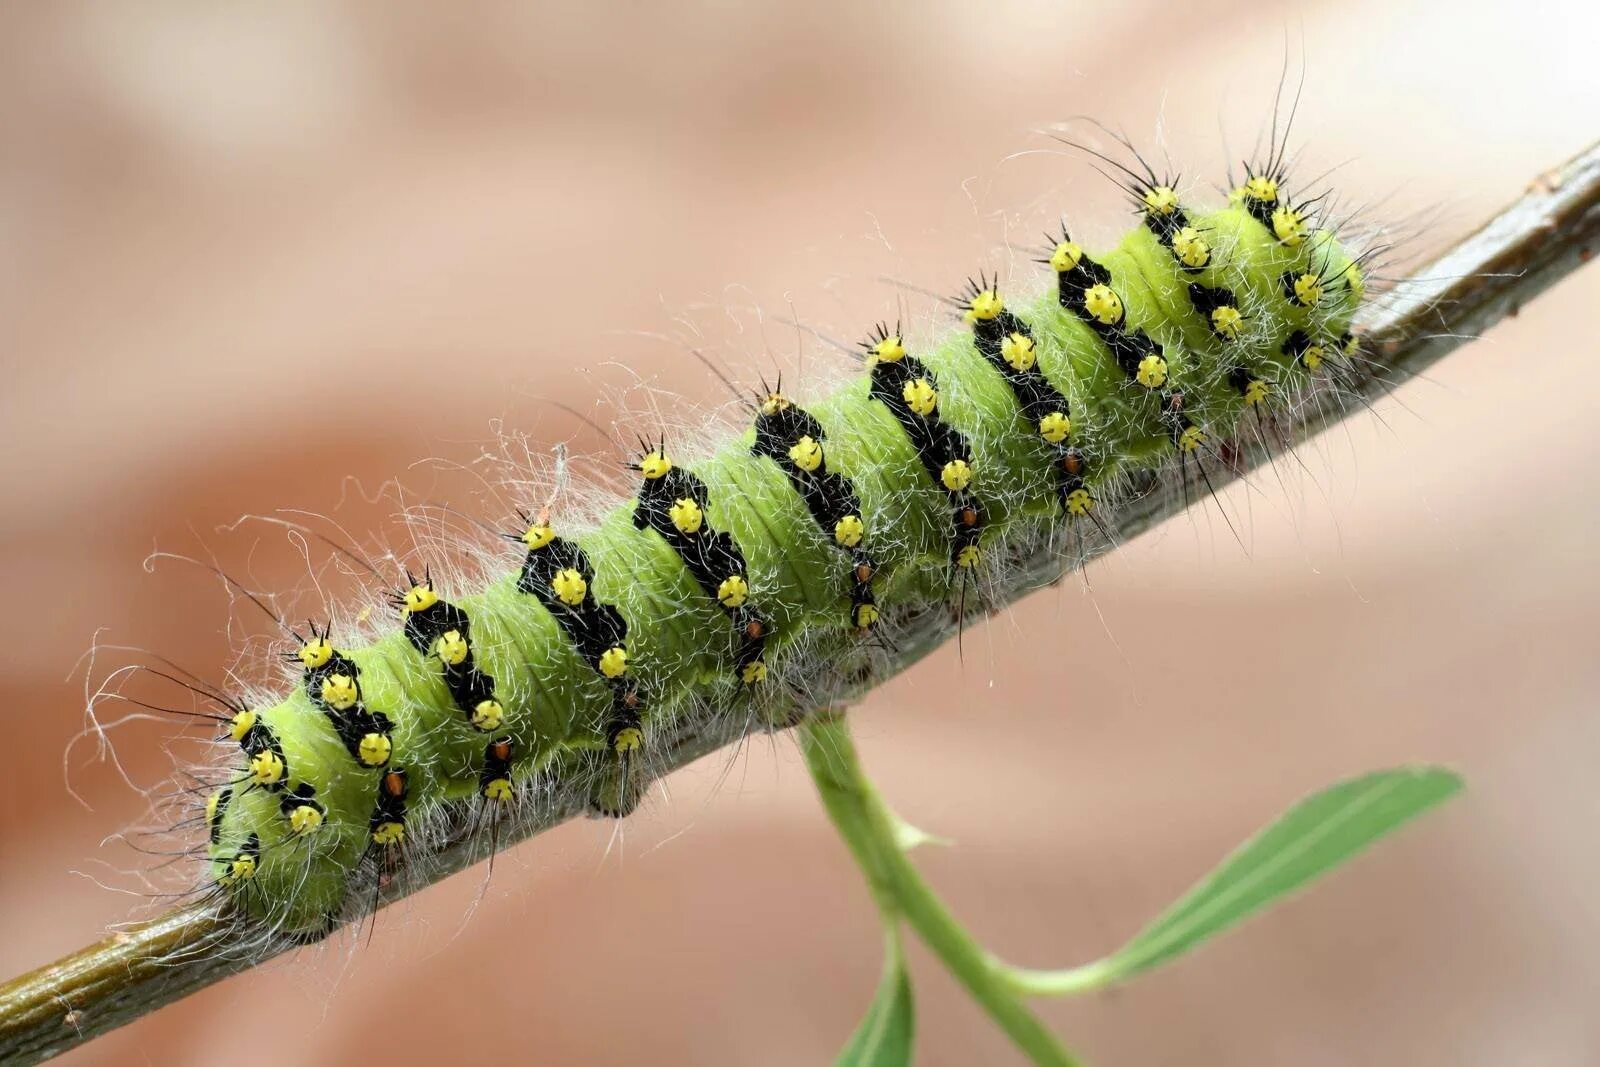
(738, 582)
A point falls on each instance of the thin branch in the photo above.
(1518, 254)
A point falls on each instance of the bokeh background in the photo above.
(258, 256)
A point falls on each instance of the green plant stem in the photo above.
(1072, 982)
(874, 835)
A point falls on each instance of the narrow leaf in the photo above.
(884, 1037)
(1310, 839)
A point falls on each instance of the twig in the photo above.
(1518, 254)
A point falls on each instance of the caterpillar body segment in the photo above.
(792, 438)
(768, 560)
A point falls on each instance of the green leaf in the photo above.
(884, 1037)
(1307, 841)
(1310, 839)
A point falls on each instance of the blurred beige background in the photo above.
(215, 218)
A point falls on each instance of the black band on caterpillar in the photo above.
(387, 826)
(794, 439)
(672, 502)
(267, 766)
(1084, 288)
(1303, 350)
(437, 628)
(1006, 341)
(494, 780)
(1164, 216)
(1219, 307)
(903, 384)
(238, 867)
(1261, 195)
(559, 574)
(332, 681)
(265, 763)
(300, 807)
(216, 809)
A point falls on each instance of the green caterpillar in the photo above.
(783, 561)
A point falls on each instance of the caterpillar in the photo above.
(733, 583)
